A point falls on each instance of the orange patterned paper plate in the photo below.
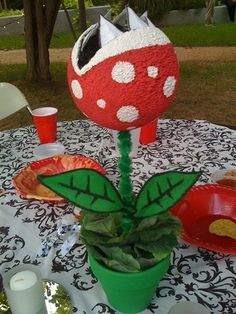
(28, 186)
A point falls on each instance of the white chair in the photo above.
(11, 100)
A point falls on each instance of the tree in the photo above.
(82, 16)
(210, 6)
(3, 5)
(40, 17)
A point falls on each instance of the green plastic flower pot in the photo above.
(129, 292)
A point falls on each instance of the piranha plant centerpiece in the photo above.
(122, 79)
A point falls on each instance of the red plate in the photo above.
(29, 187)
(203, 205)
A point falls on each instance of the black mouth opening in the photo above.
(86, 52)
(89, 50)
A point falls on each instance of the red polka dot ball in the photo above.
(123, 78)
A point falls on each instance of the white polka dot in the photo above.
(101, 103)
(169, 86)
(127, 114)
(77, 89)
(152, 71)
(123, 72)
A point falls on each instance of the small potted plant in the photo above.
(129, 238)
(124, 79)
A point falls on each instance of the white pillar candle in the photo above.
(188, 308)
(25, 293)
(23, 280)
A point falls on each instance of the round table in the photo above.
(195, 273)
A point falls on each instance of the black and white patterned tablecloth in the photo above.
(195, 274)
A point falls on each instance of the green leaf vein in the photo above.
(161, 195)
(88, 190)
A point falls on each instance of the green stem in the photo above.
(125, 167)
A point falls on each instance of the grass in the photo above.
(181, 36)
(207, 91)
(201, 35)
(64, 40)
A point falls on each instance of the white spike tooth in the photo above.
(107, 31)
(145, 18)
(145, 14)
(150, 23)
(135, 21)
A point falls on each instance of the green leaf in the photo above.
(107, 226)
(156, 234)
(146, 263)
(158, 249)
(114, 258)
(104, 229)
(119, 260)
(86, 188)
(163, 191)
(147, 223)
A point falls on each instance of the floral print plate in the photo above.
(28, 186)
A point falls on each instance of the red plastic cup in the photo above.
(148, 133)
(45, 120)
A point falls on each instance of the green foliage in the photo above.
(58, 296)
(4, 307)
(124, 238)
(149, 240)
(157, 8)
(162, 5)
(15, 4)
(188, 4)
(89, 3)
(73, 4)
(10, 12)
(114, 4)
(100, 2)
